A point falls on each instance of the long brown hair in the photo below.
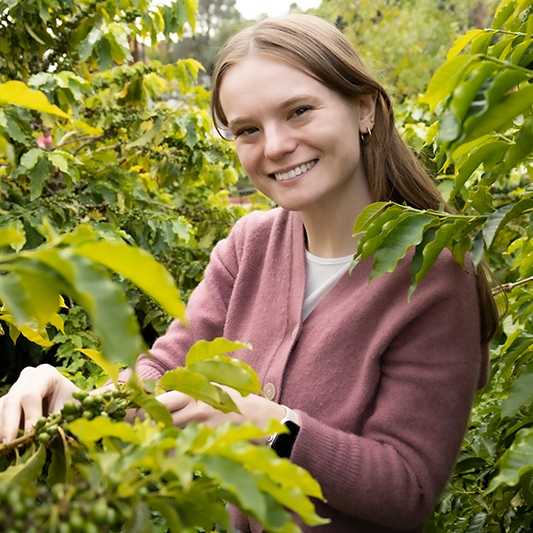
(316, 47)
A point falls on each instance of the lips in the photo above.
(283, 176)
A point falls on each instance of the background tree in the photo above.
(216, 21)
(405, 41)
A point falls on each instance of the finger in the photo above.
(12, 405)
(174, 400)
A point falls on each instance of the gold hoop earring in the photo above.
(366, 137)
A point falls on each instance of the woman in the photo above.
(377, 390)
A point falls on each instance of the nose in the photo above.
(278, 142)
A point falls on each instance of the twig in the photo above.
(159, 204)
(27, 436)
(90, 140)
(508, 287)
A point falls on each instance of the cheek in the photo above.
(249, 159)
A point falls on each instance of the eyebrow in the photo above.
(239, 121)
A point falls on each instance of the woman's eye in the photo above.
(245, 132)
(301, 111)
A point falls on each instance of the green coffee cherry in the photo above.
(44, 438)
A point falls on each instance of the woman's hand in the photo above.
(185, 409)
(35, 386)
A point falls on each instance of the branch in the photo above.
(90, 139)
(159, 204)
(508, 287)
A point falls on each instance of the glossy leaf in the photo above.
(502, 114)
(139, 267)
(446, 79)
(497, 220)
(18, 93)
(93, 430)
(238, 481)
(367, 216)
(516, 461)
(199, 387)
(521, 394)
(203, 349)
(26, 472)
(406, 233)
(108, 367)
(230, 372)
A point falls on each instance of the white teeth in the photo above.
(295, 172)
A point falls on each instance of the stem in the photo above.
(508, 287)
(158, 204)
(508, 64)
(27, 436)
(89, 139)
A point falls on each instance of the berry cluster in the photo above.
(32, 508)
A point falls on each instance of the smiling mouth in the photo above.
(296, 171)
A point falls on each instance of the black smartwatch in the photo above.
(282, 443)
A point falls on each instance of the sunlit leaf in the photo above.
(18, 93)
(203, 349)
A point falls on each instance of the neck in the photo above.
(329, 224)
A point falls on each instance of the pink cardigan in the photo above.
(383, 387)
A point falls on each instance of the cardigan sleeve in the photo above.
(393, 470)
(206, 313)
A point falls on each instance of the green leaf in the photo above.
(504, 11)
(478, 249)
(112, 317)
(450, 126)
(157, 411)
(461, 42)
(86, 47)
(469, 163)
(238, 481)
(376, 232)
(518, 151)
(90, 431)
(402, 236)
(18, 93)
(427, 252)
(43, 287)
(521, 394)
(15, 297)
(230, 372)
(367, 216)
(58, 471)
(141, 269)
(500, 117)
(38, 175)
(10, 236)
(446, 79)
(203, 349)
(516, 461)
(502, 216)
(227, 441)
(198, 387)
(167, 508)
(30, 158)
(109, 368)
(27, 472)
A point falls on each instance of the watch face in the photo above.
(284, 442)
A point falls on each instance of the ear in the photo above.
(367, 111)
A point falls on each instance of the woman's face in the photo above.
(297, 140)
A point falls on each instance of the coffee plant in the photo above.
(474, 124)
(112, 189)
